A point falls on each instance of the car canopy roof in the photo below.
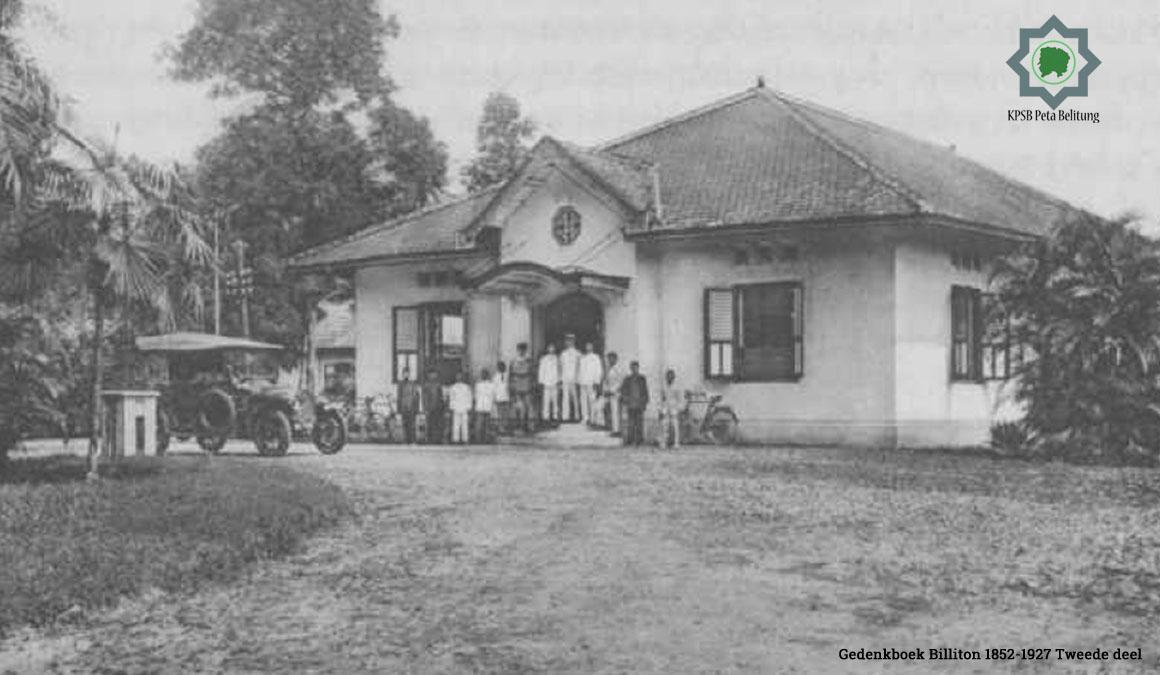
(200, 342)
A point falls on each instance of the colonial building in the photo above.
(826, 275)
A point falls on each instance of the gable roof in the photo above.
(756, 158)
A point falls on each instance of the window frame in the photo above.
(432, 350)
(738, 374)
(968, 368)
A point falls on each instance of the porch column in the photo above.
(515, 325)
(483, 332)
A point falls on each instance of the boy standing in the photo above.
(613, 378)
(432, 407)
(672, 403)
(521, 387)
(634, 397)
(460, 399)
(549, 381)
(588, 376)
(408, 395)
(484, 405)
(499, 384)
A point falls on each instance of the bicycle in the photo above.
(705, 419)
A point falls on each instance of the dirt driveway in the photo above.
(529, 561)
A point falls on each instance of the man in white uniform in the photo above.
(588, 376)
(549, 383)
(569, 369)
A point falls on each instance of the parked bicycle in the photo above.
(705, 419)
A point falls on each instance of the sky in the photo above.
(590, 70)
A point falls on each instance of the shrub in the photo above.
(1010, 438)
(1085, 305)
(173, 524)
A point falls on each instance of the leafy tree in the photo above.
(500, 141)
(293, 53)
(325, 151)
(1085, 304)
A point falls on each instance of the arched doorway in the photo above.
(575, 313)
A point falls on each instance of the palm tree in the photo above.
(66, 204)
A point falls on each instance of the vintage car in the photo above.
(215, 387)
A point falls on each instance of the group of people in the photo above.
(571, 386)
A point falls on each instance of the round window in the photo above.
(566, 225)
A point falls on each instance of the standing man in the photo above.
(613, 378)
(588, 376)
(634, 397)
(484, 405)
(499, 386)
(672, 403)
(569, 369)
(408, 396)
(460, 400)
(549, 382)
(521, 387)
(433, 407)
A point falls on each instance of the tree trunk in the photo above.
(96, 419)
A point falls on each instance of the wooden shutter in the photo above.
(770, 333)
(720, 332)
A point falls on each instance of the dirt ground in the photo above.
(505, 560)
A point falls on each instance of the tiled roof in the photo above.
(762, 157)
(756, 158)
(434, 229)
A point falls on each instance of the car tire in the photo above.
(271, 430)
(216, 413)
(329, 433)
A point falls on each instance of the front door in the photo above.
(575, 313)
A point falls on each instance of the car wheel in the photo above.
(216, 413)
(329, 433)
(212, 443)
(272, 433)
(163, 433)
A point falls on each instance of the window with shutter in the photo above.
(966, 334)
(406, 343)
(754, 332)
(719, 329)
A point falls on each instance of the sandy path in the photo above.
(525, 561)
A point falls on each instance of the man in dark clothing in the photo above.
(634, 398)
(433, 407)
(408, 404)
(520, 382)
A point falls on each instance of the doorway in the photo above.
(575, 313)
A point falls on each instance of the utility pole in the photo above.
(217, 278)
(244, 283)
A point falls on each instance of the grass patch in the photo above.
(173, 524)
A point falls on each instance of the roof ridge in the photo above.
(393, 223)
(902, 189)
(677, 119)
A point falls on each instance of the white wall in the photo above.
(846, 392)
(933, 410)
(378, 290)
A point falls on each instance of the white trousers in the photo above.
(569, 406)
(588, 403)
(459, 427)
(614, 412)
(550, 406)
